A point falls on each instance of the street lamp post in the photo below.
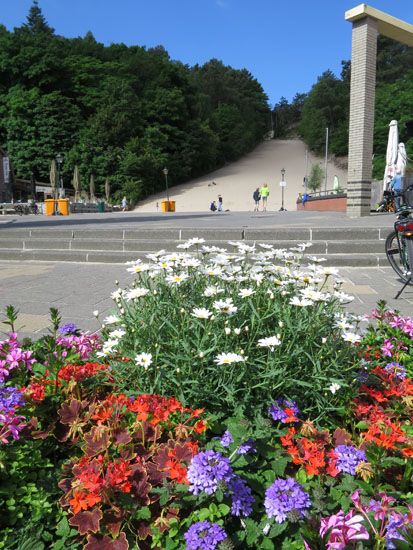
(283, 184)
(59, 160)
(165, 171)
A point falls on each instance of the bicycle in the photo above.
(388, 203)
(399, 243)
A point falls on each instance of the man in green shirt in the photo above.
(264, 192)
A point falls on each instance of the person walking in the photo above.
(124, 204)
(220, 204)
(257, 197)
(264, 192)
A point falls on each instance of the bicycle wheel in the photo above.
(396, 256)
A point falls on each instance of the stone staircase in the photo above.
(356, 246)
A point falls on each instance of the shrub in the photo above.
(233, 331)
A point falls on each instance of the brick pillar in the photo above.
(362, 95)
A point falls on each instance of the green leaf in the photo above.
(143, 513)
(224, 509)
(278, 528)
(63, 528)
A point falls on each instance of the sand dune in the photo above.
(237, 181)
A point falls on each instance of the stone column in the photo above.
(362, 95)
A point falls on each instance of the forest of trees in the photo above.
(120, 112)
(327, 105)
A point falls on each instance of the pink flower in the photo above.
(387, 347)
(341, 530)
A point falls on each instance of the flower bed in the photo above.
(229, 402)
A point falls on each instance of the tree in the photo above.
(120, 112)
(316, 178)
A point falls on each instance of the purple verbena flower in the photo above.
(207, 470)
(247, 447)
(10, 399)
(342, 530)
(395, 527)
(10, 425)
(397, 370)
(204, 536)
(12, 356)
(68, 328)
(226, 439)
(284, 496)
(284, 410)
(241, 495)
(348, 457)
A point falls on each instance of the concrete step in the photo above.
(135, 245)
(225, 234)
(111, 256)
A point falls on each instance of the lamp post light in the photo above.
(165, 171)
(283, 184)
(59, 160)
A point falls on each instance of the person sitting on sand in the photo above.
(213, 206)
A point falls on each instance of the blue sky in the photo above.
(285, 44)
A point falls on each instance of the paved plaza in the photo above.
(79, 289)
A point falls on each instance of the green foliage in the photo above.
(120, 112)
(327, 104)
(316, 178)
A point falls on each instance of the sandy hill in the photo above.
(237, 181)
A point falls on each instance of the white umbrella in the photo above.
(76, 183)
(107, 189)
(391, 154)
(401, 159)
(92, 188)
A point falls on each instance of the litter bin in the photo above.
(101, 207)
(172, 206)
(63, 206)
(164, 206)
(49, 207)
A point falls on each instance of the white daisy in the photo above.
(117, 334)
(139, 268)
(144, 360)
(212, 291)
(107, 347)
(343, 297)
(246, 292)
(269, 342)
(351, 337)
(201, 313)
(304, 302)
(334, 387)
(176, 279)
(228, 358)
(111, 320)
(225, 306)
(136, 293)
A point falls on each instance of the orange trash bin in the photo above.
(63, 207)
(172, 205)
(165, 206)
(49, 207)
